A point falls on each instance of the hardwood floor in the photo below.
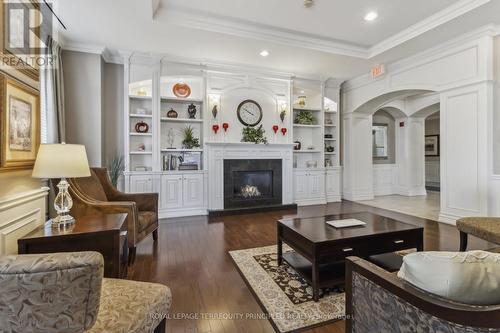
(209, 294)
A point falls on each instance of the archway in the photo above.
(357, 141)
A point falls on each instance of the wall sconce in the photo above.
(214, 104)
(282, 109)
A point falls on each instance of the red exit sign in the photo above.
(378, 71)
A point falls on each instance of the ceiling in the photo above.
(335, 20)
(329, 39)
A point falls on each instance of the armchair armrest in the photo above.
(85, 206)
(379, 301)
(144, 201)
(57, 292)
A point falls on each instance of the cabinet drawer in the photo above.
(370, 246)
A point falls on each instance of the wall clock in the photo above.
(249, 113)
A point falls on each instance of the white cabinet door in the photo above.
(141, 184)
(192, 190)
(316, 182)
(171, 191)
(300, 185)
(330, 184)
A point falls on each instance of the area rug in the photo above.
(285, 296)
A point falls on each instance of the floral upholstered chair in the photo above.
(66, 292)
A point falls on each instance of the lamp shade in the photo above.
(61, 161)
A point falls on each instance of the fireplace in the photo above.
(252, 183)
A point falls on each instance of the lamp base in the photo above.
(62, 221)
(63, 204)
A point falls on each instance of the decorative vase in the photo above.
(283, 131)
(225, 126)
(302, 101)
(170, 138)
(275, 128)
(192, 111)
(141, 127)
(172, 113)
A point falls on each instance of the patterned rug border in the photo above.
(252, 272)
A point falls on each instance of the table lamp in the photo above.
(61, 161)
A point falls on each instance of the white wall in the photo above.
(112, 111)
(83, 104)
(461, 71)
(496, 122)
(233, 89)
(94, 105)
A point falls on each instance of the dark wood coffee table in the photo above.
(320, 249)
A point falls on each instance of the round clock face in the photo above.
(249, 113)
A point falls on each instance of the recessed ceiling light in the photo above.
(264, 53)
(308, 3)
(371, 16)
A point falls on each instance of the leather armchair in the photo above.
(66, 293)
(96, 195)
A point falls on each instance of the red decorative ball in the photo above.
(283, 130)
(275, 129)
(215, 128)
(225, 126)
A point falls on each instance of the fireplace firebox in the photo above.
(252, 183)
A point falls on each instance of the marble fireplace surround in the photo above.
(217, 152)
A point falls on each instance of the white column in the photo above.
(465, 142)
(410, 156)
(358, 163)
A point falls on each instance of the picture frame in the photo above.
(31, 70)
(19, 124)
(432, 145)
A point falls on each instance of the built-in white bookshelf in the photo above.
(177, 114)
(307, 100)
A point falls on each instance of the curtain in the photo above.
(52, 95)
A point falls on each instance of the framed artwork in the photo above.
(19, 124)
(16, 30)
(432, 145)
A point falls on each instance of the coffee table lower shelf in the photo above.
(332, 275)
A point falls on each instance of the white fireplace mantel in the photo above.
(217, 152)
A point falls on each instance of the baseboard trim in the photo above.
(448, 218)
(241, 211)
(310, 202)
(358, 197)
(165, 214)
(333, 198)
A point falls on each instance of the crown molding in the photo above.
(456, 10)
(239, 28)
(85, 48)
(111, 58)
(183, 16)
(489, 30)
(101, 50)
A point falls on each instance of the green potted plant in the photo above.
(255, 135)
(189, 141)
(116, 169)
(304, 118)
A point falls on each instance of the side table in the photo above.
(106, 234)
